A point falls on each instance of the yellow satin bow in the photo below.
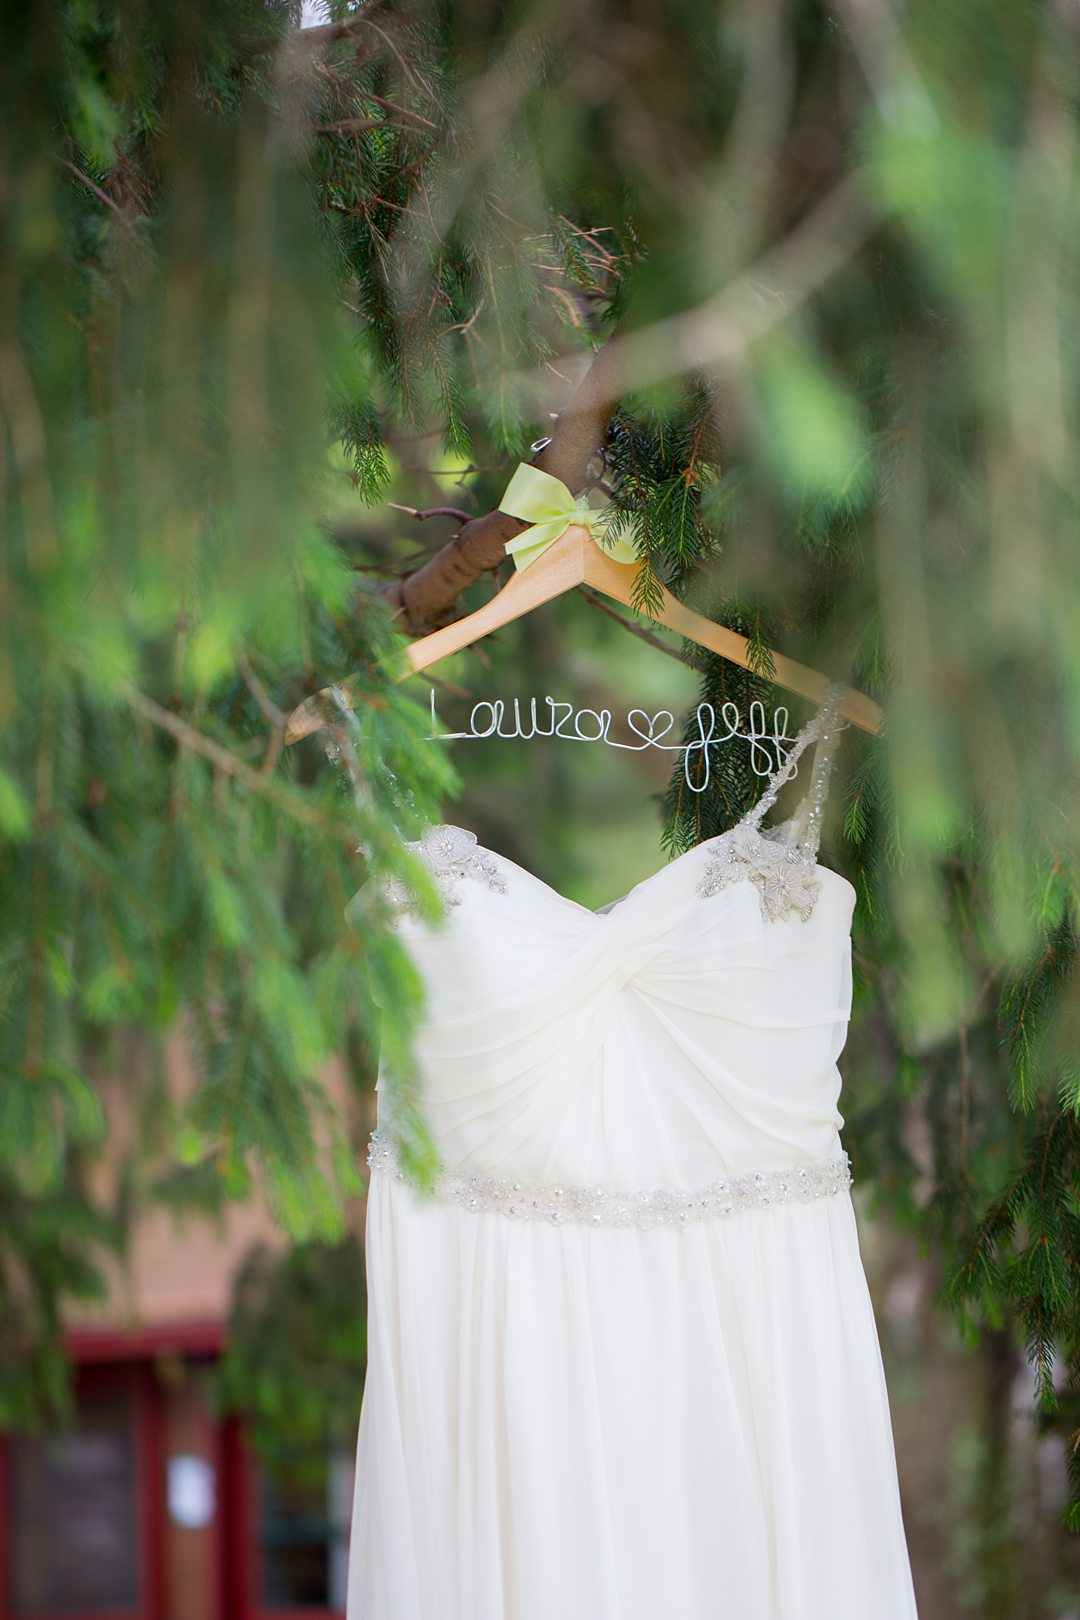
(545, 502)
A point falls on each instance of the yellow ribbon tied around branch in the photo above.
(546, 504)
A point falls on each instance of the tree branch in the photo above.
(102, 196)
(267, 787)
(427, 598)
(595, 600)
(431, 511)
(719, 331)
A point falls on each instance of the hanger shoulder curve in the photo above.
(561, 568)
(617, 580)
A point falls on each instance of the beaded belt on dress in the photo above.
(646, 1207)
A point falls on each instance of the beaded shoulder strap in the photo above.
(780, 861)
(801, 832)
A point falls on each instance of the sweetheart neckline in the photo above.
(611, 906)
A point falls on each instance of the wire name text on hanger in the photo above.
(497, 719)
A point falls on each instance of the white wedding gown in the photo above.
(624, 1366)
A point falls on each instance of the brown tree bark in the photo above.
(428, 598)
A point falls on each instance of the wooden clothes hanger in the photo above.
(577, 559)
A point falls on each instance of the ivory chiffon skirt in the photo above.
(579, 1424)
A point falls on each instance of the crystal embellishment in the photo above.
(452, 853)
(781, 861)
(785, 879)
(644, 1208)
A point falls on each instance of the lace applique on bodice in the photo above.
(781, 861)
(451, 853)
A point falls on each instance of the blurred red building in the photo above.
(149, 1506)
